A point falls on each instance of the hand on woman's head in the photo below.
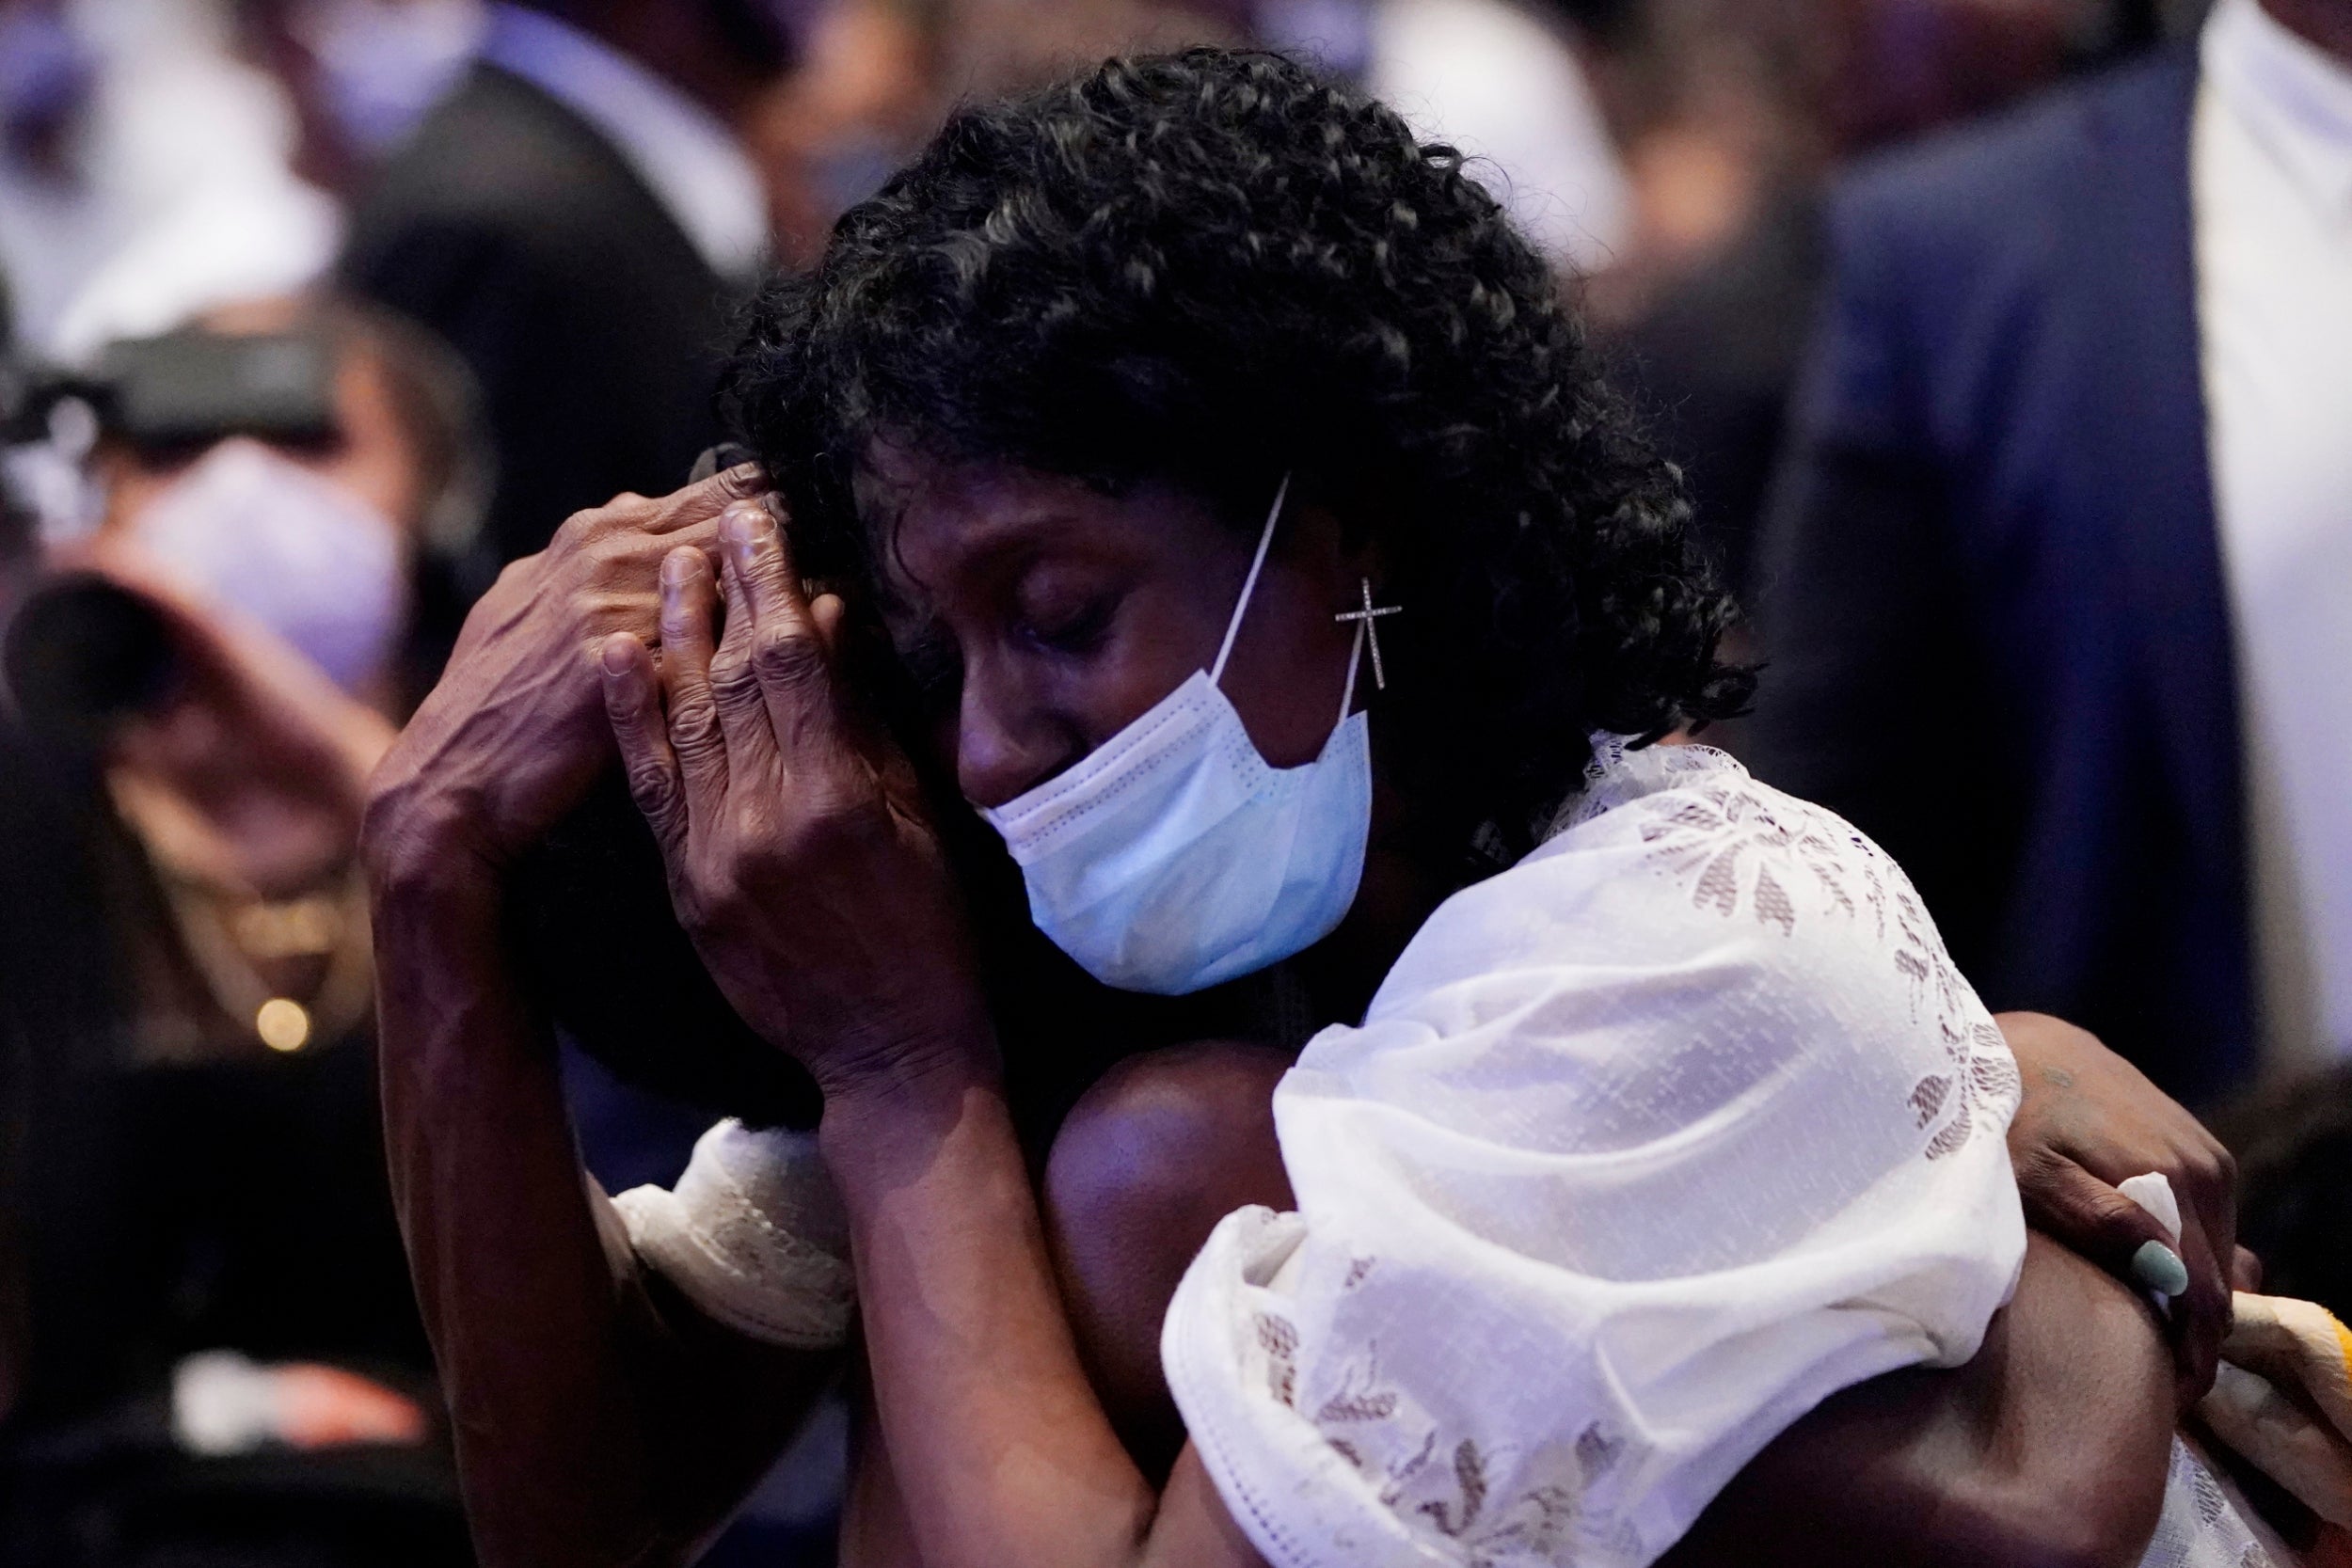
(799, 856)
(514, 735)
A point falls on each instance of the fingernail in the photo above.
(2159, 1269)
(615, 654)
(674, 569)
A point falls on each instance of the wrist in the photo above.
(423, 845)
(906, 1100)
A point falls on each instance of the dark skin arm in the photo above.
(608, 1423)
(755, 779)
(598, 1420)
(2049, 1448)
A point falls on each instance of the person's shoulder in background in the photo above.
(495, 153)
(1943, 253)
(2001, 185)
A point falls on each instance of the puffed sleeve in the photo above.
(1645, 1147)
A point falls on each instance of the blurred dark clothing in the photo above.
(513, 228)
(151, 1209)
(1992, 598)
(2293, 1146)
(1712, 361)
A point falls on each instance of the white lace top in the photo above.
(1645, 1147)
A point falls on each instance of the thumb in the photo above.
(2069, 1204)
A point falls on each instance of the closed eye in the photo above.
(1077, 632)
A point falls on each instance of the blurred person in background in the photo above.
(579, 217)
(864, 91)
(2055, 594)
(1508, 83)
(146, 172)
(1503, 81)
(358, 75)
(216, 1347)
(1735, 115)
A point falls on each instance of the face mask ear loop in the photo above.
(1248, 586)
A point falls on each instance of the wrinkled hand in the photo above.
(514, 735)
(799, 856)
(2090, 1121)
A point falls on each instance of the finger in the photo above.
(633, 703)
(701, 502)
(2069, 1204)
(687, 604)
(788, 651)
(2201, 1314)
(2214, 1190)
(734, 686)
(826, 612)
(2208, 1181)
(2246, 1271)
(748, 536)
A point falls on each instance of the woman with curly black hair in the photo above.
(1261, 558)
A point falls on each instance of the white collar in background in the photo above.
(2294, 96)
(685, 154)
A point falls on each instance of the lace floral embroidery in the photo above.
(1374, 1428)
(1737, 848)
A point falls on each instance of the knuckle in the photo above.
(576, 530)
(724, 897)
(2040, 1167)
(788, 656)
(607, 554)
(732, 679)
(652, 787)
(601, 611)
(695, 725)
(832, 822)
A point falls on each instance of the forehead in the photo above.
(938, 525)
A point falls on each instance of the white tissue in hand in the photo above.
(2154, 1193)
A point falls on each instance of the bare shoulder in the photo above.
(1159, 1150)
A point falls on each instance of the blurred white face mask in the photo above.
(250, 529)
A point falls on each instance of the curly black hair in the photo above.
(1209, 268)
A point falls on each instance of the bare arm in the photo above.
(2048, 1451)
(598, 1420)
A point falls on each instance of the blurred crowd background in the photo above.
(2006, 345)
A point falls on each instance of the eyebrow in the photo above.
(1013, 536)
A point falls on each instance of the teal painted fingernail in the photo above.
(2160, 1269)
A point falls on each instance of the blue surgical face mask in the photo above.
(1175, 857)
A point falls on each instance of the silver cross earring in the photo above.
(1370, 618)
